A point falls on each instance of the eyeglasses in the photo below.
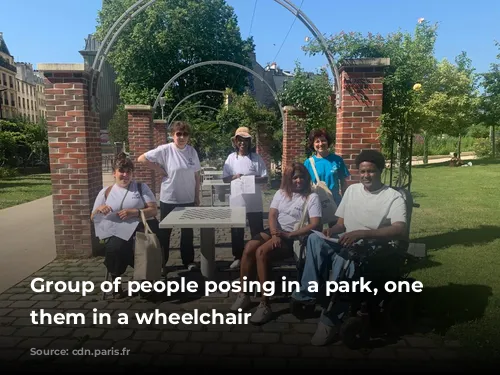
(180, 134)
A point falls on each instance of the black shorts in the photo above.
(258, 237)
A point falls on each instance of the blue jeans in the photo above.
(321, 258)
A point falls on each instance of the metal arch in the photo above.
(193, 106)
(288, 5)
(189, 96)
(217, 62)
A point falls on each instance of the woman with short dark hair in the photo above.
(116, 215)
(330, 167)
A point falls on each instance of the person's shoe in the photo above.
(235, 264)
(242, 302)
(324, 335)
(262, 315)
(192, 267)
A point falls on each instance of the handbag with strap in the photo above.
(148, 255)
(298, 245)
(328, 205)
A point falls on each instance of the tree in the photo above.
(411, 61)
(244, 110)
(118, 126)
(311, 93)
(168, 37)
(447, 103)
(490, 101)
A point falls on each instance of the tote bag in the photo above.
(148, 254)
(328, 205)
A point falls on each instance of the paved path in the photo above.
(282, 343)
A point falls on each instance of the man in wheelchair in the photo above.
(371, 218)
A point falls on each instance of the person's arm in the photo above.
(273, 221)
(315, 224)
(343, 185)
(151, 210)
(337, 228)
(153, 166)
(228, 179)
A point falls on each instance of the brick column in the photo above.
(75, 160)
(159, 138)
(140, 140)
(358, 118)
(294, 135)
(263, 146)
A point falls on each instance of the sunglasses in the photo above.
(180, 134)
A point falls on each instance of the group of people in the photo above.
(366, 210)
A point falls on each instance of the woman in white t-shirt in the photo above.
(276, 242)
(245, 162)
(116, 216)
(179, 165)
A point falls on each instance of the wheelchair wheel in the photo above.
(399, 314)
(352, 332)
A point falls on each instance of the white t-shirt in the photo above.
(237, 164)
(181, 166)
(364, 210)
(290, 210)
(111, 224)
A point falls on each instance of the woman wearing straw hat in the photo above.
(245, 162)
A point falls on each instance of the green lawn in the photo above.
(459, 221)
(22, 189)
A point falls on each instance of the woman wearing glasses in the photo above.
(179, 165)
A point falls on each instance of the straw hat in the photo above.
(243, 132)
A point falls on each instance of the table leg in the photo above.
(207, 250)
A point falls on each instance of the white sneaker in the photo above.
(262, 315)
(192, 267)
(235, 264)
(242, 302)
(324, 335)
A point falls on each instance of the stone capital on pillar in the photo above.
(358, 118)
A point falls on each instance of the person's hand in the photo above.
(276, 241)
(128, 213)
(236, 176)
(350, 238)
(104, 209)
(326, 232)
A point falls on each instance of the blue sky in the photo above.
(54, 30)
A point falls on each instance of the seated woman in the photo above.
(369, 210)
(116, 216)
(276, 242)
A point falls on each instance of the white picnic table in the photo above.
(206, 219)
(212, 185)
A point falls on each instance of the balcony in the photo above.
(8, 66)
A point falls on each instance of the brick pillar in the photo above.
(294, 135)
(75, 160)
(140, 140)
(263, 146)
(358, 118)
(159, 138)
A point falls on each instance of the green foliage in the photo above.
(118, 126)
(311, 93)
(168, 37)
(23, 144)
(442, 145)
(244, 110)
(490, 104)
(478, 131)
(482, 147)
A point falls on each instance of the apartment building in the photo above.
(21, 88)
(30, 92)
(8, 73)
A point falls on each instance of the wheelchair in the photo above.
(366, 313)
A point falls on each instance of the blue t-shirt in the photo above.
(330, 170)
